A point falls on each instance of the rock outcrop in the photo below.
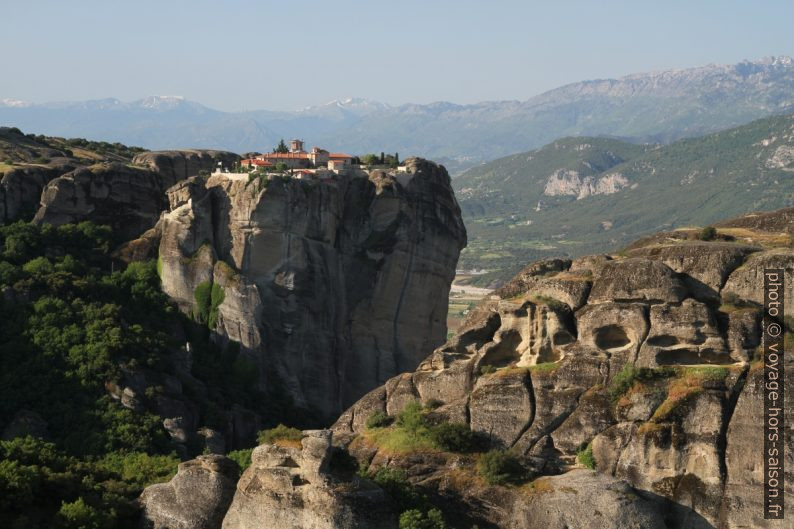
(20, 190)
(176, 165)
(128, 199)
(650, 358)
(332, 286)
(196, 498)
(293, 487)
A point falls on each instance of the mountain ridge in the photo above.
(547, 202)
(657, 106)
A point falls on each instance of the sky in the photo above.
(244, 55)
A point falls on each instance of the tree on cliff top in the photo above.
(281, 147)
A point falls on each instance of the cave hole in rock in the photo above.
(611, 337)
(504, 352)
(476, 337)
(662, 340)
(289, 463)
(562, 338)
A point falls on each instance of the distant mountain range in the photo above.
(649, 107)
(583, 195)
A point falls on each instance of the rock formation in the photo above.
(196, 498)
(176, 165)
(294, 487)
(128, 198)
(649, 357)
(20, 190)
(332, 286)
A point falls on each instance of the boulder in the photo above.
(706, 266)
(128, 199)
(293, 487)
(683, 334)
(636, 280)
(747, 281)
(501, 407)
(582, 499)
(20, 190)
(196, 498)
(176, 165)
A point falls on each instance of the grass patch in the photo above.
(731, 302)
(544, 367)
(208, 297)
(586, 458)
(538, 486)
(412, 432)
(552, 303)
(687, 384)
(629, 375)
(487, 369)
(281, 435)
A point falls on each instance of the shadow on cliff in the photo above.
(676, 515)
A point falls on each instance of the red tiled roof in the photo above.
(339, 155)
(255, 161)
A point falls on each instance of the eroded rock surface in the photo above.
(293, 487)
(176, 165)
(331, 286)
(659, 376)
(196, 498)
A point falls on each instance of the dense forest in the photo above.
(73, 321)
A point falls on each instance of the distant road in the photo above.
(465, 289)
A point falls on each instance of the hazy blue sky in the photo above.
(245, 54)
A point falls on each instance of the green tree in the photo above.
(412, 419)
(499, 467)
(370, 159)
(709, 233)
(281, 147)
(79, 515)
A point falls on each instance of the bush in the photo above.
(487, 369)
(79, 515)
(378, 419)
(453, 437)
(139, 469)
(585, 457)
(416, 519)
(432, 404)
(709, 233)
(412, 418)
(241, 457)
(396, 485)
(280, 433)
(499, 467)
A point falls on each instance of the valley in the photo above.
(581, 195)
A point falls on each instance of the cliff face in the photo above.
(129, 198)
(650, 357)
(331, 286)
